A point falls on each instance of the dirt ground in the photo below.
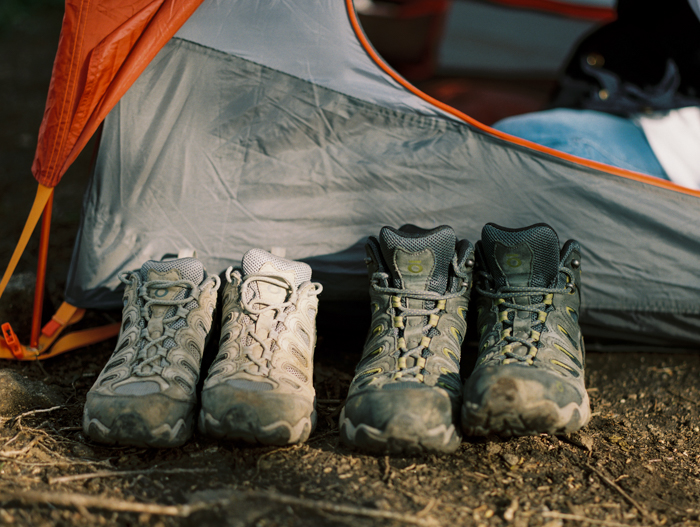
(636, 463)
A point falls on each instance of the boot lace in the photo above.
(254, 307)
(507, 308)
(157, 333)
(421, 352)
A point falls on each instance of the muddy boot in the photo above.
(260, 386)
(146, 394)
(405, 396)
(528, 377)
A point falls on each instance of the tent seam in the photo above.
(80, 40)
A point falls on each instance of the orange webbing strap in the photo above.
(42, 197)
(80, 339)
(66, 315)
(49, 343)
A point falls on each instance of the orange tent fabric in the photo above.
(104, 46)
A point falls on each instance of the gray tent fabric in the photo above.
(219, 153)
(308, 40)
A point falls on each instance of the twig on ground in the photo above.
(65, 499)
(17, 420)
(629, 498)
(19, 417)
(387, 469)
(11, 454)
(266, 454)
(417, 498)
(478, 475)
(577, 518)
(668, 504)
(340, 509)
(425, 510)
(127, 473)
(9, 441)
(69, 429)
(680, 396)
(56, 463)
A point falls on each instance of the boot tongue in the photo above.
(418, 259)
(257, 261)
(169, 271)
(172, 270)
(526, 257)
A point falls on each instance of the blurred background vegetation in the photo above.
(17, 12)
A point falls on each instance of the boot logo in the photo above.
(513, 260)
(415, 266)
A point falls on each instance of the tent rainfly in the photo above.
(235, 124)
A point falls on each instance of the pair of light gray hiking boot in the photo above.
(407, 395)
(260, 386)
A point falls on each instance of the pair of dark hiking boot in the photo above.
(408, 395)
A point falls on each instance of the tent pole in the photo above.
(41, 273)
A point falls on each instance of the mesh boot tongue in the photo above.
(419, 259)
(171, 270)
(189, 269)
(526, 257)
(257, 261)
(183, 269)
(254, 260)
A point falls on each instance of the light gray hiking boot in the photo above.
(529, 376)
(145, 395)
(405, 396)
(260, 386)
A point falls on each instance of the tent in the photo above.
(235, 124)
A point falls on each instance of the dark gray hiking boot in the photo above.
(529, 376)
(145, 395)
(405, 396)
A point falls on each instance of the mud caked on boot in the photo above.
(145, 395)
(529, 376)
(260, 386)
(405, 397)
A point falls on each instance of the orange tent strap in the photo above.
(51, 342)
(81, 339)
(43, 194)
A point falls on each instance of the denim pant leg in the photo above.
(585, 133)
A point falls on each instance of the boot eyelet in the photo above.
(575, 264)
(571, 287)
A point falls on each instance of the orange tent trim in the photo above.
(102, 50)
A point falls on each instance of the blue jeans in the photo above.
(585, 133)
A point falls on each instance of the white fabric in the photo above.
(674, 137)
